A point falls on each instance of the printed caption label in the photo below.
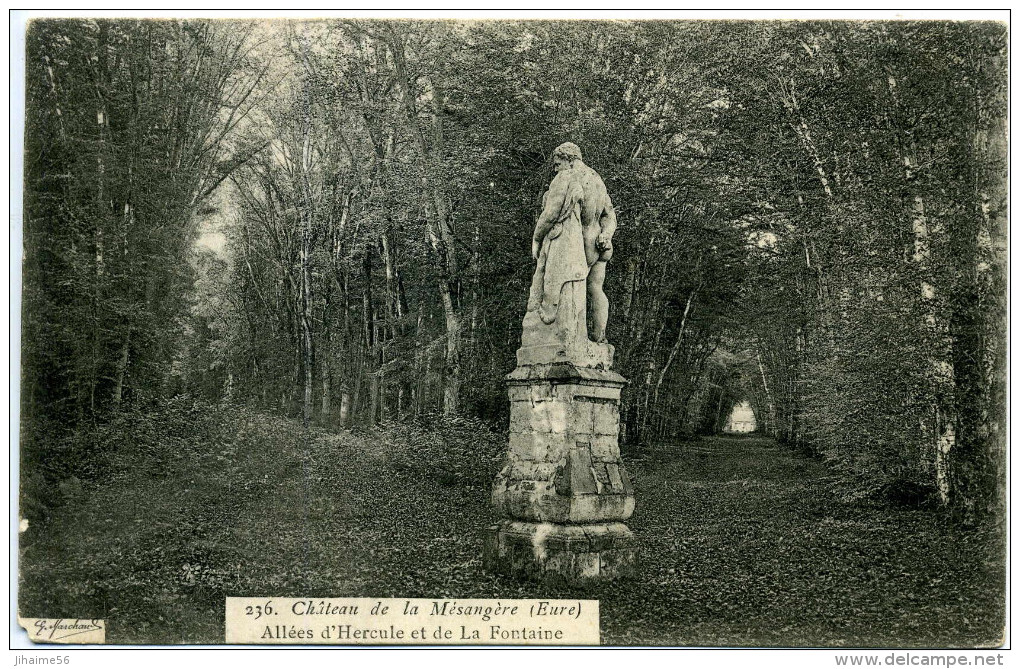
(425, 622)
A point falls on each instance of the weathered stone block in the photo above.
(548, 416)
(604, 507)
(613, 474)
(529, 500)
(606, 419)
(595, 393)
(531, 470)
(519, 393)
(580, 418)
(542, 391)
(618, 562)
(563, 491)
(603, 537)
(564, 373)
(576, 476)
(537, 446)
(560, 553)
(586, 354)
(572, 567)
(604, 448)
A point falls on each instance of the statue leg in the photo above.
(599, 312)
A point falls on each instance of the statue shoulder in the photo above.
(593, 179)
(561, 180)
(570, 183)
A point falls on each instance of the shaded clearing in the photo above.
(742, 541)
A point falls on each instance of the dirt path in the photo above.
(745, 545)
(742, 544)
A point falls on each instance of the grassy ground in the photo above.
(741, 544)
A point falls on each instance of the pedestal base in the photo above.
(555, 553)
(563, 491)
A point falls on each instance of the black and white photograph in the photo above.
(364, 330)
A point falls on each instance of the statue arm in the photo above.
(607, 223)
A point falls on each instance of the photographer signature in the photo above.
(63, 628)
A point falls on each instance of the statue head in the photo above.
(565, 155)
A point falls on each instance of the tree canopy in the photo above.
(812, 219)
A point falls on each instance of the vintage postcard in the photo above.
(441, 331)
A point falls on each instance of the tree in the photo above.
(130, 129)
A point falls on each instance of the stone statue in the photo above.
(572, 242)
(563, 493)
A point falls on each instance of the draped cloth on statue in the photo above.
(561, 259)
(556, 324)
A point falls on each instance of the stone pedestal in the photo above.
(563, 492)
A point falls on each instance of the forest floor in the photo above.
(742, 544)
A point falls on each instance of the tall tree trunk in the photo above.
(438, 218)
(975, 327)
(308, 358)
(371, 370)
(307, 222)
(649, 372)
(103, 124)
(676, 344)
(345, 407)
(122, 365)
(327, 381)
(942, 429)
(771, 404)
